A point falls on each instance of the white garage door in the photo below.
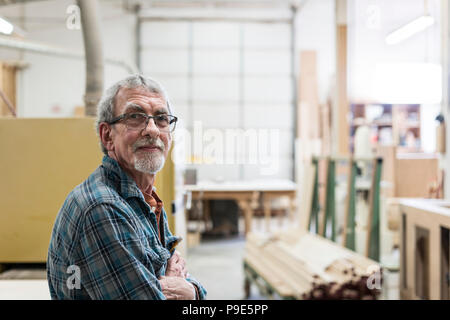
(230, 83)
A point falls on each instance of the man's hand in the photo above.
(176, 266)
(176, 288)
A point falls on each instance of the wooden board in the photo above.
(325, 128)
(8, 86)
(408, 175)
(64, 152)
(308, 121)
(289, 262)
(307, 195)
(388, 153)
(414, 176)
(343, 134)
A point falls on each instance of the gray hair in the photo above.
(106, 106)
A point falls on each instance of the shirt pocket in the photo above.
(158, 257)
(157, 254)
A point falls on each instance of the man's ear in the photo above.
(105, 133)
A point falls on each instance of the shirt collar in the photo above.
(128, 187)
(154, 201)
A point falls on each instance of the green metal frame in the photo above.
(330, 205)
(315, 208)
(374, 237)
(350, 227)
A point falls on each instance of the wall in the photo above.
(53, 86)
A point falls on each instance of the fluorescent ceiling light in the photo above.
(410, 29)
(6, 27)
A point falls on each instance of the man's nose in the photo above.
(151, 129)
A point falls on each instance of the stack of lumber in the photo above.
(306, 266)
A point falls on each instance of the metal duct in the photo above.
(9, 2)
(94, 54)
(36, 47)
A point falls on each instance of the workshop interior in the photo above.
(309, 158)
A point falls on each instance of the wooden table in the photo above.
(247, 195)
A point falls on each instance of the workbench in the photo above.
(424, 249)
(247, 194)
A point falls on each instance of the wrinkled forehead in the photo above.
(139, 97)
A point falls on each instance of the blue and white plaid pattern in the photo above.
(107, 231)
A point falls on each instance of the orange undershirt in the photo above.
(156, 204)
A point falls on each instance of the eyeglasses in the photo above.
(139, 121)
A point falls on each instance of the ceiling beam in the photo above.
(212, 3)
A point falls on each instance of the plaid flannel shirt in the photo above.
(105, 242)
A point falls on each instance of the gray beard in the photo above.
(149, 162)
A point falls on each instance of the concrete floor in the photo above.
(217, 264)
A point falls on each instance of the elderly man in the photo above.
(111, 238)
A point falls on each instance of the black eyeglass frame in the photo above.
(172, 119)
